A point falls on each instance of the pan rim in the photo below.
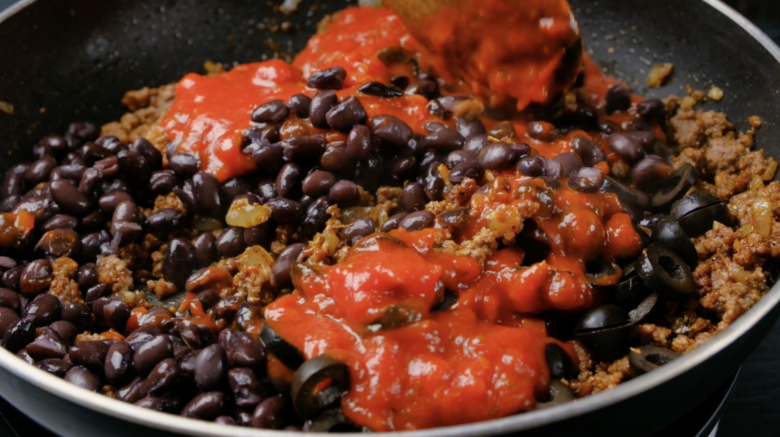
(527, 420)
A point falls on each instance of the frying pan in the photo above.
(67, 60)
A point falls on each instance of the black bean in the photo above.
(280, 276)
(165, 404)
(496, 156)
(316, 217)
(403, 168)
(303, 148)
(132, 392)
(380, 89)
(205, 248)
(66, 330)
(124, 227)
(417, 220)
(18, 334)
(357, 230)
(329, 79)
(585, 118)
(10, 299)
(455, 218)
(90, 354)
(116, 313)
(152, 352)
(268, 157)
(205, 406)
(44, 310)
(59, 242)
(36, 277)
(587, 180)
(428, 89)
(504, 130)
(46, 346)
(437, 109)
(337, 157)
(359, 142)
(55, 366)
(618, 99)
(90, 244)
(542, 131)
(468, 169)
(459, 157)
(274, 111)
(272, 413)
(146, 149)
(7, 318)
(285, 211)
(650, 173)
(12, 185)
(163, 181)
(73, 172)
(90, 179)
(413, 197)
(300, 104)
(70, 198)
(235, 187)
(243, 350)
(8, 204)
(39, 170)
(444, 139)
(318, 183)
(55, 143)
(590, 153)
(179, 262)
(346, 114)
(230, 243)
(7, 262)
(207, 299)
(652, 109)
(570, 163)
(82, 377)
(211, 367)
(84, 130)
(476, 143)
(433, 182)
(108, 202)
(259, 235)
(60, 221)
(344, 193)
(205, 188)
(184, 164)
(469, 128)
(96, 292)
(609, 127)
(393, 221)
(134, 168)
(141, 335)
(391, 130)
(78, 314)
(166, 219)
(264, 134)
(162, 378)
(247, 388)
(322, 102)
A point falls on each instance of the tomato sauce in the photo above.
(412, 368)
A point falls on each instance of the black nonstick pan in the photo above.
(64, 60)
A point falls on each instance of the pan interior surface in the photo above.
(74, 59)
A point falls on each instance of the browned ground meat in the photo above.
(146, 106)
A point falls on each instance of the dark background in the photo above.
(754, 408)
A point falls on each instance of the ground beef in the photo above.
(720, 239)
(114, 271)
(653, 334)
(63, 285)
(146, 106)
(170, 200)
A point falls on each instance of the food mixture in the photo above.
(354, 242)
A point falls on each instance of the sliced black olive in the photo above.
(604, 316)
(645, 309)
(601, 273)
(308, 395)
(700, 221)
(665, 152)
(285, 352)
(665, 271)
(629, 292)
(558, 361)
(681, 181)
(697, 200)
(332, 421)
(447, 301)
(630, 197)
(648, 358)
(605, 331)
(380, 89)
(670, 234)
(559, 394)
(646, 240)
